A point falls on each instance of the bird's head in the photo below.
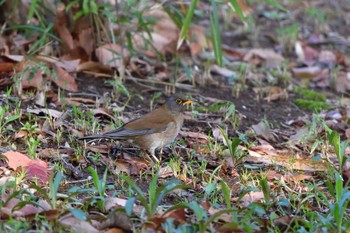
(177, 103)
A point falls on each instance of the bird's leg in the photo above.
(154, 156)
(149, 158)
(161, 153)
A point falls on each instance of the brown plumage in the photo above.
(154, 130)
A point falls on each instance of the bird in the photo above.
(154, 130)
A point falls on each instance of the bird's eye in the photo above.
(178, 101)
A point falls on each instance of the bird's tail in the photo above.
(94, 136)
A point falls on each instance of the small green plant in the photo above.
(3, 122)
(288, 35)
(90, 7)
(100, 186)
(336, 217)
(31, 129)
(155, 194)
(236, 153)
(54, 184)
(203, 220)
(339, 147)
(32, 146)
(318, 17)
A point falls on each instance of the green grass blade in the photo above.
(276, 4)
(238, 9)
(227, 193)
(215, 33)
(186, 24)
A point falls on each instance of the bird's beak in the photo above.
(187, 102)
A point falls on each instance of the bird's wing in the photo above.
(119, 133)
(125, 132)
(154, 122)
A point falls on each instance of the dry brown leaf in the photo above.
(268, 155)
(25, 211)
(64, 80)
(17, 159)
(112, 202)
(68, 65)
(20, 134)
(342, 82)
(262, 129)
(79, 100)
(7, 67)
(300, 134)
(121, 166)
(51, 112)
(165, 172)
(194, 135)
(136, 164)
(112, 55)
(164, 25)
(60, 27)
(221, 217)
(95, 67)
(38, 169)
(34, 168)
(306, 72)
(77, 225)
(268, 56)
(327, 57)
(76, 53)
(15, 58)
(115, 230)
(86, 41)
(252, 197)
(160, 43)
(101, 111)
(223, 71)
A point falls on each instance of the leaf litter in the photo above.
(265, 116)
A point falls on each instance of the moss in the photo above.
(310, 94)
(312, 104)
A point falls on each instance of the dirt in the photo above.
(251, 108)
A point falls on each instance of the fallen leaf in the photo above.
(38, 169)
(101, 111)
(328, 58)
(61, 29)
(194, 135)
(112, 55)
(86, 41)
(342, 82)
(7, 67)
(268, 56)
(306, 72)
(227, 73)
(165, 172)
(51, 112)
(63, 79)
(262, 129)
(77, 225)
(95, 67)
(268, 155)
(112, 202)
(33, 168)
(252, 197)
(17, 159)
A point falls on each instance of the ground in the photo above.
(252, 155)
